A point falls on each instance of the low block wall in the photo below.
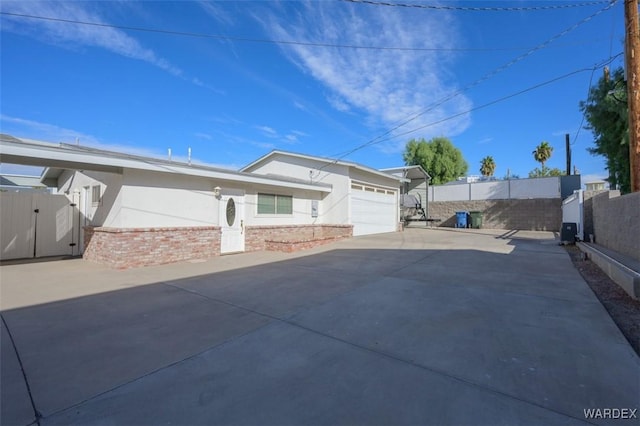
(543, 214)
(134, 247)
(616, 222)
(293, 237)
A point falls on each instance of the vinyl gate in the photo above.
(37, 225)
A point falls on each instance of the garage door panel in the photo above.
(373, 212)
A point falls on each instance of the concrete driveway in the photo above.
(419, 327)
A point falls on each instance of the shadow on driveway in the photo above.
(345, 336)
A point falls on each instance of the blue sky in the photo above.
(209, 76)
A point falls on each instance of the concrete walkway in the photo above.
(419, 327)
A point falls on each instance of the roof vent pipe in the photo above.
(189, 155)
(169, 153)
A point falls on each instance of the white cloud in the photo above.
(29, 129)
(205, 136)
(299, 105)
(264, 145)
(290, 138)
(485, 140)
(71, 35)
(218, 13)
(267, 131)
(43, 131)
(388, 85)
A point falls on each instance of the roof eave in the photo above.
(45, 155)
(319, 159)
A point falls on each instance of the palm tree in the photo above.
(487, 166)
(542, 153)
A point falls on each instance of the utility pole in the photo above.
(632, 51)
(568, 148)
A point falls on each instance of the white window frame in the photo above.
(275, 207)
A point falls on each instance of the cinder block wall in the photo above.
(134, 247)
(616, 222)
(587, 211)
(531, 214)
(257, 236)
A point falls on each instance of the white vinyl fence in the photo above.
(515, 189)
(36, 225)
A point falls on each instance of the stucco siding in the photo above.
(107, 211)
(151, 199)
(334, 207)
(301, 214)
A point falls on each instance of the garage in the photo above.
(373, 209)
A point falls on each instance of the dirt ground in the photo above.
(624, 311)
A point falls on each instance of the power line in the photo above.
(575, 137)
(477, 8)
(381, 139)
(504, 98)
(283, 42)
(482, 79)
(258, 40)
(611, 59)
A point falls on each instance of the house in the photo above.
(21, 183)
(133, 211)
(361, 196)
(595, 185)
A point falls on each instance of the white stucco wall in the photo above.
(107, 212)
(153, 199)
(301, 207)
(334, 207)
(146, 199)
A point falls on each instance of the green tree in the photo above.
(439, 157)
(487, 166)
(606, 111)
(542, 153)
(545, 172)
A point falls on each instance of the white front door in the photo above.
(231, 221)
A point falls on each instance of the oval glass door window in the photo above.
(231, 212)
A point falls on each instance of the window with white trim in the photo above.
(275, 204)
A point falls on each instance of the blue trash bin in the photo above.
(461, 219)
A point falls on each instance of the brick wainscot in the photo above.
(133, 247)
(124, 248)
(290, 238)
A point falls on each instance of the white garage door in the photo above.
(373, 209)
